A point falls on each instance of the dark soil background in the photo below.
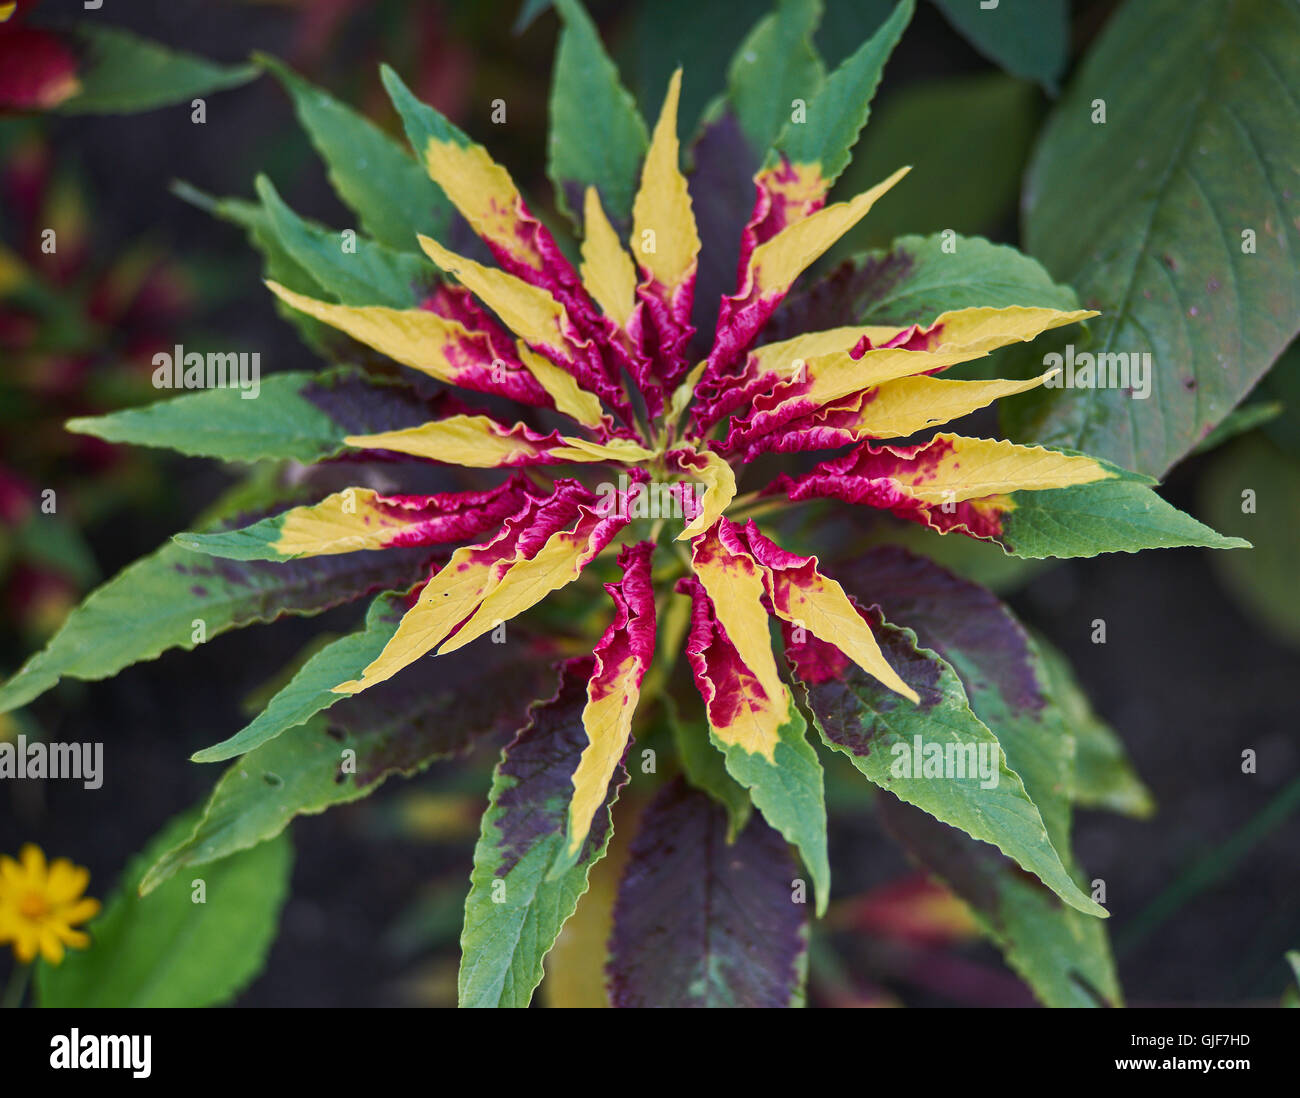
(1184, 677)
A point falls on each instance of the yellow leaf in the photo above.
(901, 407)
(776, 263)
(482, 190)
(607, 270)
(414, 337)
(570, 398)
(807, 599)
(608, 722)
(954, 469)
(734, 583)
(559, 562)
(528, 311)
(478, 442)
(661, 212)
(446, 599)
(719, 490)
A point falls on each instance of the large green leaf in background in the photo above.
(165, 949)
(597, 136)
(1144, 216)
(122, 72)
(1029, 38)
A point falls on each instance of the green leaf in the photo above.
(915, 280)
(704, 922)
(1103, 775)
(704, 767)
(175, 598)
(883, 735)
(1011, 687)
(1061, 953)
(1145, 216)
(979, 197)
(391, 194)
(529, 10)
(597, 136)
(1118, 515)
(1253, 488)
(165, 950)
(122, 72)
(776, 64)
(790, 793)
(1029, 38)
(277, 264)
(297, 416)
(514, 910)
(1239, 421)
(348, 751)
(359, 272)
(311, 689)
(836, 115)
(420, 121)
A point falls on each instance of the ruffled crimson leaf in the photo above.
(916, 280)
(514, 909)
(1032, 501)
(298, 416)
(701, 922)
(623, 656)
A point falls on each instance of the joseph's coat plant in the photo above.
(613, 441)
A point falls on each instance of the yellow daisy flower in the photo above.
(40, 905)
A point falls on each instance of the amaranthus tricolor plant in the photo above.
(666, 464)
